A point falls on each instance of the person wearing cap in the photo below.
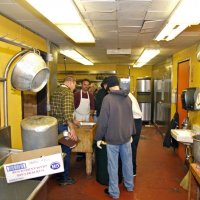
(116, 126)
(100, 95)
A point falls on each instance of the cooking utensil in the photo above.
(196, 148)
(30, 73)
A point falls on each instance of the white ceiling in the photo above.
(115, 24)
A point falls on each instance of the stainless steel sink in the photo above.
(22, 190)
(16, 191)
(5, 152)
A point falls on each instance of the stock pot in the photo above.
(196, 148)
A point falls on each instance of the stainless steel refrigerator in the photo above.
(144, 96)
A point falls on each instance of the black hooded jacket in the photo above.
(115, 122)
(99, 99)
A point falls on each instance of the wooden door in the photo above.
(182, 83)
(34, 103)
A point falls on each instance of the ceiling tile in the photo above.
(133, 5)
(163, 5)
(127, 15)
(99, 6)
(115, 24)
(130, 22)
(6, 2)
(104, 23)
(156, 15)
(151, 24)
(101, 16)
(131, 29)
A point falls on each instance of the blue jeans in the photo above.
(64, 175)
(125, 152)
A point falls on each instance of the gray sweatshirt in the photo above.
(115, 123)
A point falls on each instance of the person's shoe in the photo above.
(134, 174)
(129, 189)
(107, 192)
(69, 181)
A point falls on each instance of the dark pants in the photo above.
(64, 175)
(134, 144)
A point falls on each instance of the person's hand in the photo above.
(72, 135)
(99, 143)
(131, 139)
(76, 122)
(91, 119)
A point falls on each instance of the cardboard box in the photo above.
(32, 164)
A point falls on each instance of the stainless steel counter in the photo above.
(22, 190)
(35, 189)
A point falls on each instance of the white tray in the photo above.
(87, 123)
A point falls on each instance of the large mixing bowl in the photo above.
(30, 73)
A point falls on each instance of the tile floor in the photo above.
(159, 174)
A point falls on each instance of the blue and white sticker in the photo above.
(55, 165)
(16, 167)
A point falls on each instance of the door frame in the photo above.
(181, 148)
(189, 78)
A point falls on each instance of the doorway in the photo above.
(34, 103)
(183, 76)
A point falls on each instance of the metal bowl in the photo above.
(196, 148)
(30, 73)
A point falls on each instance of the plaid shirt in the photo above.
(62, 104)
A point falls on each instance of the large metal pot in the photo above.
(196, 148)
(30, 73)
(39, 132)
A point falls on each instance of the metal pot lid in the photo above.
(38, 122)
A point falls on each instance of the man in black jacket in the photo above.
(116, 125)
(100, 95)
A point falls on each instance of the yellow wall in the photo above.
(20, 34)
(14, 31)
(162, 70)
(188, 53)
(14, 97)
(121, 71)
(78, 67)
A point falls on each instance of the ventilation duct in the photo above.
(118, 51)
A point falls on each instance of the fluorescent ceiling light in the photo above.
(64, 14)
(74, 31)
(76, 56)
(185, 14)
(146, 56)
